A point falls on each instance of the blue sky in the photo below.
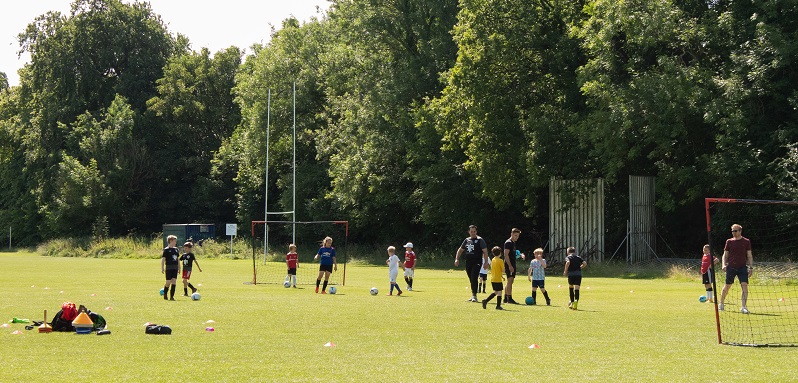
(212, 24)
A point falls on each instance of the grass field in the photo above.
(627, 330)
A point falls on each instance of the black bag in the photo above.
(97, 319)
(60, 324)
(157, 329)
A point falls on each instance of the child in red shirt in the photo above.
(292, 261)
(410, 265)
(706, 275)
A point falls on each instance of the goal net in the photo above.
(270, 241)
(773, 286)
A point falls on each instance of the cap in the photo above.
(409, 244)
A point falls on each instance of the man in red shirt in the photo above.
(737, 262)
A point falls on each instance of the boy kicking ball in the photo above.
(188, 260)
(393, 269)
(496, 270)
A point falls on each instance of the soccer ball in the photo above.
(333, 290)
(374, 291)
(530, 301)
(286, 284)
(161, 291)
(195, 297)
(702, 298)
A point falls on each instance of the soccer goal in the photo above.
(270, 241)
(773, 286)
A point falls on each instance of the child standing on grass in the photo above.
(537, 274)
(410, 265)
(496, 269)
(393, 269)
(483, 278)
(292, 261)
(170, 266)
(327, 263)
(706, 276)
(573, 268)
(188, 260)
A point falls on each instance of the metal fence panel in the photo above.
(576, 218)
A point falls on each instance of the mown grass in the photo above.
(627, 330)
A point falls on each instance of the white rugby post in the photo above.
(231, 229)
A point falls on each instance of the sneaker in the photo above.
(499, 308)
(744, 310)
(317, 289)
(484, 303)
(472, 299)
(185, 295)
(399, 293)
(409, 288)
(389, 295)
(548, 302)
(324, 291)
(720, 307)
(575, 304)
(512, 301)
(171, 299)
(295, 286)
(570, 305)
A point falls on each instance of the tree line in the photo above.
(414, 118)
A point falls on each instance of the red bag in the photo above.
(69, 311)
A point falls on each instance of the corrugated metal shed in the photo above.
(642, 219)
(576, 218)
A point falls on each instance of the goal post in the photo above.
(772, 291)
(268, 250)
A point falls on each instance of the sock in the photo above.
(534, 295)
(172, 292)
(498, 303)
(293, 279)
(185, 290)
(191, 287)
(391, 288)
(317, 283)
(571, 293)
(490, 297)
(324, 288)
(165, 291)
(410, 282)
(407, 280)
(288, 277)
(576, 294)
(546, 295)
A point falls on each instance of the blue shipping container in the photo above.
(195, 232)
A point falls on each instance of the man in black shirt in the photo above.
(474, 248)
(170, 265)
(509, 264)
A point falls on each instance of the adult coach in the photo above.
(737, 262)
(510, 265)
(474, 248)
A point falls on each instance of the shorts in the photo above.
(292, 271)
(497, 286)
(171, 274)
(741, 273)
(706, 278)
(410, 273)
(539, 283)
(327, 268)
(507, 269)
(483, 276)
(186, 274)
(575, 280)
(392, 275)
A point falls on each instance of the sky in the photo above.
(207, 23)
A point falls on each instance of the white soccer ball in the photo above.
(286, 284)
(195, 297)
(374, 291)
(333, 290)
